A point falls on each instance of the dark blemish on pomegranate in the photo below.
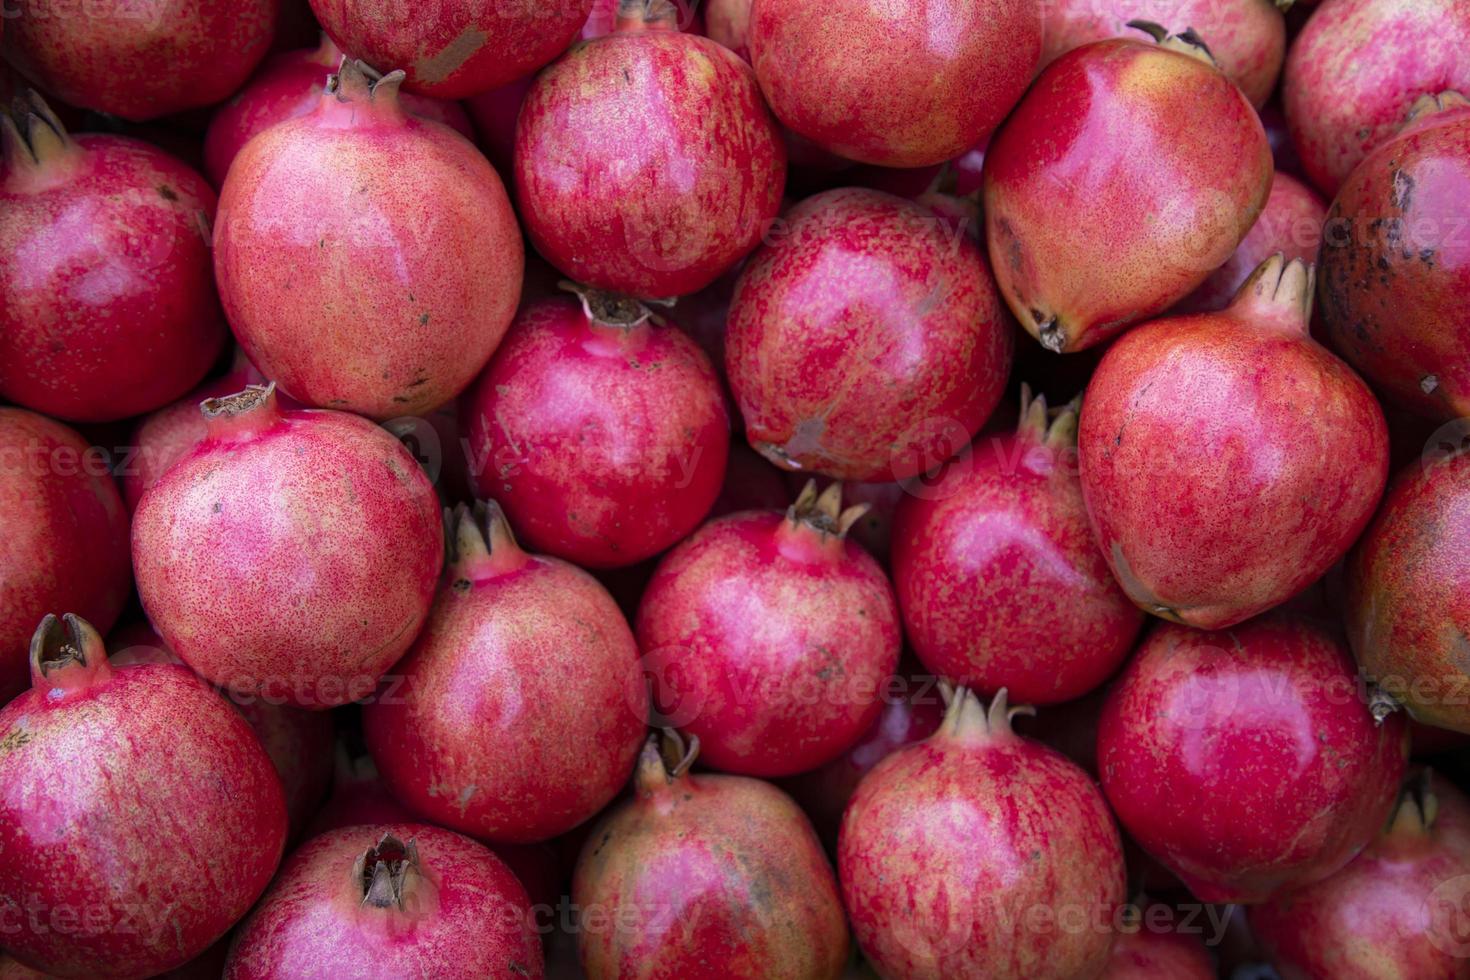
(418, 381)
(516, 966)
(167, 193)
(424, 320)
(1402, 193)
(16, 739)
(218, 506)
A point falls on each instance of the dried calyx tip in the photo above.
(384, 870)
(1438, 102)
(31, 126)
(966, 715)
(1052, 427)
(666, 758)
(240, 402)
(1187, 41)
(823, 512)
(356, 77)
(611, 309)
(479, 531)
(60, 642)
(1418, 805)
(1382, 704)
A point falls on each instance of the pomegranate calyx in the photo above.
(646, 15)
(1053, 428)
(611, 309)
(1417, 808)
(966, 717)
(664, 761)
(385, 871)
(482, 544)
(32, 139)
(67, 654)
(1429, 105)
(823, 512)
(1279, 292)
(357, 81)
(1382, 704)
(242, 415)
(1187, 42)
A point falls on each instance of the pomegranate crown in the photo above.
(1428, 105)
(1280, 290)
(67, 654)
(480, 542)
(614, 309)
(357, 81)
(633, 14)
(385, 870)
(30, 134)
(1187, 42)
(1418, 807)
(1056, 428)
(966, 717)
(664, 761)
(823, 512)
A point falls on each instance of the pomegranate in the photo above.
(645, 161)
(1064, 197)
(518, 713)
(1355, 70)
(1143, 952)
(167, 847)
(389, 900)
(63, 536)
(1396, 267)
(998, 577)
(768, 636)
(727, 22)
(379, 290)
(334, 541)
(600, 429)
(729, 867)
(897, 86)
(1246, 760)
(107, 303)
(865, 342)
(950, 847)
(140, 61)
(874, 530)
(1271, 452)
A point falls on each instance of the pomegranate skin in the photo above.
(335, 543)
(867, 342)
(1159, 210)
(107, 301)
(1228, 460)
(730, 868)
(1245, 760)
(900, 87)
(1144, 954)
(929, 848)
(377, 290)
(63, 536)
(1356, 69)
(602, 434)
(648, 203)
(171, 846)
(518, 712)
(727, 22)
(458, 912)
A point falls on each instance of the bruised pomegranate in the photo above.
(769, 635)
(139, 816)
(1089, 233)
(107, 303)
(291, 554)
(951, 848)
(1228, 460)
(377, 289)
(1246, 760)
(706, 876)
(600, 429)
(389, 900)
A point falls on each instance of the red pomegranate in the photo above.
(1228, 460)
(866, 341)
(292, 554)
(600, 428)
(518, 712)
(768, 637)
(107, 302)
(1396, 266)
(1246, 760)
(705, 877)
(1144, 952)
(378, 290)
(951, 846)
(1356, 69)
(1065, 197)
(63, 536)
(727, 22)
(646, 161)
(172, 815)
(390, 900)
(140, 60)
(998, 577)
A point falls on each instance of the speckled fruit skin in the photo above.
(647, 163)
(461, 915)
(518, 713)
(1356, 69)
(1228, 460)
(63, 536)
(602, 434)
(997, 574)
(1145, 954)
(1246, 760)
(1396, 263)
(107, 302)
(867, 341)
(901, 86)
(951, 846)
(381, 290)
(140, 61)
(291, 554)
(1064, 197)
(719, 876)
(164, 849)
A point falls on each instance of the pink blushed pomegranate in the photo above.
(291, 554)
(1089, 233)
(1228, 460)
(177, 815)
(950, 846)
(378, 290)
(390, 900)
(518, 713)
(706, 876)
(600, 428)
